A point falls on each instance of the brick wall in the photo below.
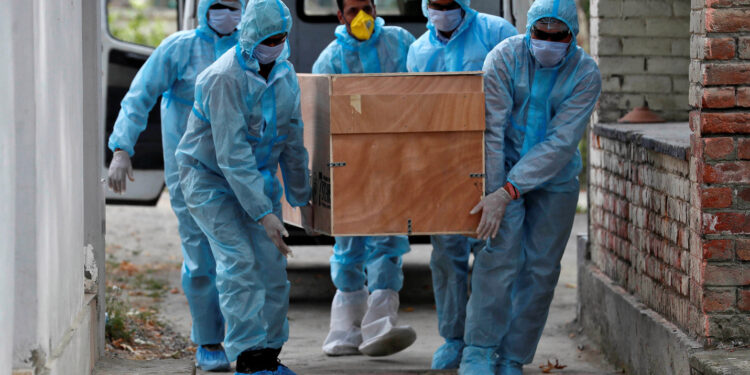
(639, 217)
(720, 167)
(643, 50)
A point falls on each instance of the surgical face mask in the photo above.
(267, 54)
(548, 53)
(362, 26)
(445, 20)
(224, 21)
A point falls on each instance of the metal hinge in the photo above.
(408, 226)
(476, 175)
(339, 164)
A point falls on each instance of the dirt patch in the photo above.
(133, 327)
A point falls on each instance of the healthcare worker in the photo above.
(458, 38)
(171, 71)
(364, 319)
(246, 122)
(540, 91)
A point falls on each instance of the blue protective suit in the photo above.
(477, 34)
(535, 118)
(241, 128)
(384, 52)
(170, 72)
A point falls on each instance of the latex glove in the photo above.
(307, 220)
(275, 230)
(493, 209)
(118, 169)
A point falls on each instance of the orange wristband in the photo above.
(512, 191)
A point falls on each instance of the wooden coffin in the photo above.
(393, 153)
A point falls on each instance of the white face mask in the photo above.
(548, 53)
(445, 20)
(224, 21)
(267, 54)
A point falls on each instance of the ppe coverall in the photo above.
(384, 52)
(241, 128)
(466, 49)
(171, 71)
(535, 118)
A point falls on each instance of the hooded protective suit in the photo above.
(469, 44)
(171, 71)
(384, 52)
(241, 128)
(535, 118)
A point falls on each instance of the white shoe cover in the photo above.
(380, 334)
(347, 310)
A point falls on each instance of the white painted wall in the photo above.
(49, 182)
(7, 192)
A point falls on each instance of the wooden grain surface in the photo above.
(358, 114)
(406, 83)
(390, 179)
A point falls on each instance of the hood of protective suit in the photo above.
(469, 14)
(203, 6)
(563, 10)
(266, 18)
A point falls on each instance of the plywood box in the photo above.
(393, 153)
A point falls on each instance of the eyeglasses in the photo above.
(275, 40)
(554, 37)
(451, 6)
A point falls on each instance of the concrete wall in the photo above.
(643, 50)
(48, 182)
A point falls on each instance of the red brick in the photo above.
(743, 96)
(743, 197)
(718, 97)
(727, 172)
(743, 148)
(743, 46)
(737, 123)
(718, 300)
(719, 48)
(727, 20)
(743, 249)
(716, 197)
(726, 275)
(732, 222)
(743, 303)
(726, 3)
(726, 74)
(718, 148)
(718, 250)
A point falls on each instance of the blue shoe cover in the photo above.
(508, 367)
(283, 370)
(477, 360)
(208, 360)
(264, 372)
(448, 355)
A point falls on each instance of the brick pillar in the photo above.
(720, 169)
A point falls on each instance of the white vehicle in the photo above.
(124, 52)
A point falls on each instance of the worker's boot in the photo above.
(345, 335)
(380, 335)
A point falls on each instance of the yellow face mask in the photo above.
(362, 26)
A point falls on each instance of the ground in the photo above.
(143, 260)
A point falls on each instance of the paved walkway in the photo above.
(144, 235)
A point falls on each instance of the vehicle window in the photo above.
(145, 22)
(398, 9)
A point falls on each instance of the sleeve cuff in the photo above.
(257, 218)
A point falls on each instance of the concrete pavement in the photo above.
(144, 235)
